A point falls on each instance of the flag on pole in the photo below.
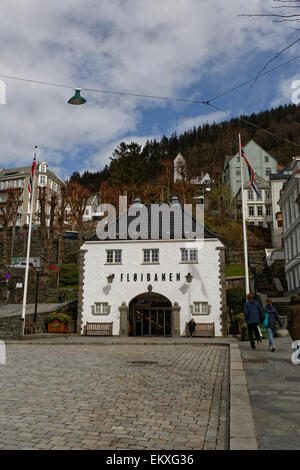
(251, 175)
(32, 173)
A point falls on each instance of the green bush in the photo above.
(235, 299)
(63, 317)
(69, 275)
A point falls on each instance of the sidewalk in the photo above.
(274, 388)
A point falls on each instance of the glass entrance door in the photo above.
(152, 322)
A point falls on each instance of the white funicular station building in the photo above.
(149, 281)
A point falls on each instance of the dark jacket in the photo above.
(273, 317)
(253, 311)
(293, 324)
(192, 326)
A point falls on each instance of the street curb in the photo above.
(242, 426)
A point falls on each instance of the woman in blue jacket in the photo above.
(273, 317)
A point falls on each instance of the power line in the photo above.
(101, 91)
(252, 124)
(140, 95)
(207, 102)
(250, 80)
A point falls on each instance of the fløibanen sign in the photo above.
(154, 277)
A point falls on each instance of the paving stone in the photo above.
(97, 400)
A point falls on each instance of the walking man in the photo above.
(254, 315)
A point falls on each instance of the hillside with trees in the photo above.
(203, 148)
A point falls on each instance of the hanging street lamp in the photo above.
(77, 99)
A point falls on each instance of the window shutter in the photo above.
(209, 309)
(93, 309)
(108, 309)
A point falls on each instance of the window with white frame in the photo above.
(114, 256)
(150, 256)
(260, 210)
(250, 195)
(42, 179)
(251, 211)
(201, 308)
(101, 308)
(43, 168)
(266, 159)
(189, 255)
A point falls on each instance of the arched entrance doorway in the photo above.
(150, 315)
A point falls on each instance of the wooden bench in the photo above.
(30, 327)
(202, 330)
(98, 329)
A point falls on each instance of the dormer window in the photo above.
(42, 167)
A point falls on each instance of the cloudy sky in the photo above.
(191, 49)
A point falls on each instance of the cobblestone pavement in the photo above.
(103, 397)
(274, 389)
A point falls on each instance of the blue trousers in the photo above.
(271, 337)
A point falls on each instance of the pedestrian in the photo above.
(191, 327)
(272, 318)
(254, 315)
(293, 324)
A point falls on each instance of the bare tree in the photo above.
(46, 213)
(9, 205)
(289, 12)
(77, 198)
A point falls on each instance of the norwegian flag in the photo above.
(32, 173)
(251, 175)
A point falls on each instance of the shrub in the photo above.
(63, 317)
(69, 275)
(235, 299)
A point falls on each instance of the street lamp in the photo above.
(110, 278)
(77, 99)
(38, 272)
(189, 277)
(253, 267)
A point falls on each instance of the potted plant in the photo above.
(58, 322)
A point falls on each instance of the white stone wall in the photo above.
(131, 278)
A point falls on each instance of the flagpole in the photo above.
(244, 223)
(28, 252)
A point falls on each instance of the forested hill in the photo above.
(203, 148)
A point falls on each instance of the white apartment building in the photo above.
(258, 210)
(19, 178)
(290, 206)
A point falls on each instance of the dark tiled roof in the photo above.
(155, 221)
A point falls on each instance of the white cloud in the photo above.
(185, 124)
(150, 46)
(101, 158)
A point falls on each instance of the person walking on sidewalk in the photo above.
(254, 315)
(272, 318)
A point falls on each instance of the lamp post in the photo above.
(38, 272)
(253, 267)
